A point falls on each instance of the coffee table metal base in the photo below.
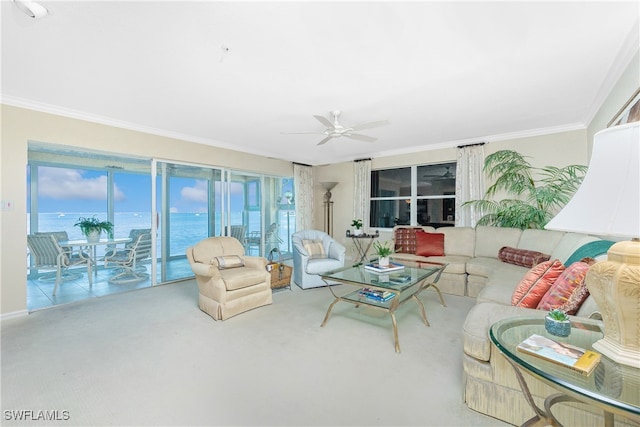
(392, 307)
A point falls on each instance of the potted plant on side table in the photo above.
(383, 250)
(557, 323)
(357, 227)
(92, 228)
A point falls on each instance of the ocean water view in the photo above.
(186, 228)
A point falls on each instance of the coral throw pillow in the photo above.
(429, 244)
(570, 282)
(536, 283)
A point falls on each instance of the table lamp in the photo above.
(608, 204)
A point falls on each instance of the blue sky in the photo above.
(85, 191)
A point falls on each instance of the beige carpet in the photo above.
(151, 357)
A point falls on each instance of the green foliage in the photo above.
(383, 249)
(87, 225)
(534, 201)
(357, 223)
(558, 315)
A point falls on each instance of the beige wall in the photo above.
(21, 125)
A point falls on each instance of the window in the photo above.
(413, 195)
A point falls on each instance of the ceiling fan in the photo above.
(336, 130)
(447, 175)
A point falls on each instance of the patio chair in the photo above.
(127, 260)
(271, 238)
(239, 232)
(46, 253)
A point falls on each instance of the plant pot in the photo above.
(94, 236)
(557, 328)
(357, 232)
(383, 261)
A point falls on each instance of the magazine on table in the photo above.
(374, 266)
(576, 358)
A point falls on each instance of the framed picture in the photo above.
(630, 112)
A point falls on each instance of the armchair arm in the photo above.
(255, 262)
(206, 270)
(337, 251)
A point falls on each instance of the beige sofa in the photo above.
(489, 383)
(472, 253)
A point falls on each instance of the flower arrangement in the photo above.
(382, 249)
(89, 225)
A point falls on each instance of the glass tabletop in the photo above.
(611, 385)
(397, 280)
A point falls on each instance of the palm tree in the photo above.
(536, 193)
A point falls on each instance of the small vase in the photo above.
(557, 328)
(383, 261)
(93, 236)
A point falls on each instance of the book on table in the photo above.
(376, 294)
(374, 266)
(576, 358)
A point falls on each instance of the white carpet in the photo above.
(151, 357)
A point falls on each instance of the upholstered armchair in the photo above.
(314, 252)
(229, 282)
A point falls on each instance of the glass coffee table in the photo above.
(393, 289)
(612, 387)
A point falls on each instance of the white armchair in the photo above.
(314, 252)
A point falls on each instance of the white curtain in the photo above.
(469, 184)
(362, 190)
(303, 179)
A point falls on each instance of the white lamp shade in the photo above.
(608, 201)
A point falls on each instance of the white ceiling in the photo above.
(442, 73)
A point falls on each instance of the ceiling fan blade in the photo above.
(370, 125)
(360, 137)
(325, 122)
(324, 141)
(302, 133)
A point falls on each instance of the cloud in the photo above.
(69, 184)
(198, 193)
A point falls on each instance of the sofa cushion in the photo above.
(569, 282)
(489, 240)
(522, 257)
(314, 247)
(228, 261)
(536, 283)
(429, 244)
(455, 264)
(569, 243)
(540, 240)
(238, 278)
(322, 265)
(483, 266)
(459, 240)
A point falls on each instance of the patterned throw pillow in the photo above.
(522, 257)
(314, 248)
(429, 244)
(405, 239)
(569, 291)
(536, 283)
(229, 261)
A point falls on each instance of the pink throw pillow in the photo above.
(536, 283)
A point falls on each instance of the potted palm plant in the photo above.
(533, 195)
(92, 228)
(383, 250)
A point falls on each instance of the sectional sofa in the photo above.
(474, 269)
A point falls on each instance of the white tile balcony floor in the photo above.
(40, 293)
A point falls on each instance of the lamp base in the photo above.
(615, 286)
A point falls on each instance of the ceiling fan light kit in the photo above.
(336, 130)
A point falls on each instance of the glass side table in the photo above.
(612, 387)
